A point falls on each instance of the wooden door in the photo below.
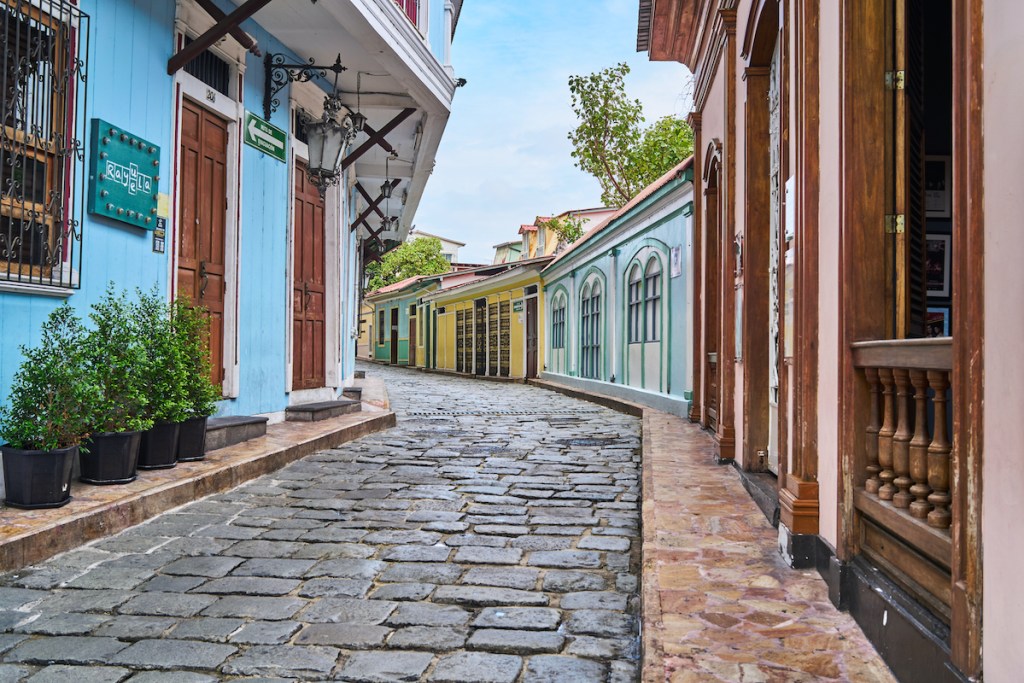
(394, 336)
(774, 257)
(308, 291)
(711, 312)
(413, 340)
(532, 338)
(480, 337)
(202, 212)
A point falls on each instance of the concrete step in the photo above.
(354, 393)
(227, 431)
(360, 374)
(314, 412)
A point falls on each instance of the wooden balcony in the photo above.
(904, 496)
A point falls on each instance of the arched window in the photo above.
(558, 322)
(590, 329)
(652, 300)
(635, 305)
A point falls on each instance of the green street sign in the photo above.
(265, 137)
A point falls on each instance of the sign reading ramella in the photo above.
(264, 136)
(124, 174)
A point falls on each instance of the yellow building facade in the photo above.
(490, 327)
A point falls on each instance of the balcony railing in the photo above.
(908, 460)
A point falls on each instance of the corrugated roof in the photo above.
(400, 285)
(627, 207)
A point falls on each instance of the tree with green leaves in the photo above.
(611, 143)
(569, 228)
(420, 256)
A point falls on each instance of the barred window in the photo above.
(635, 305)
(652, 302)
(380, 328)
(42, 76)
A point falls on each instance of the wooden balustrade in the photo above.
(908, 456)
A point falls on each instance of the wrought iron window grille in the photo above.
(43, 73)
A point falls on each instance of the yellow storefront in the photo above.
(491, 327)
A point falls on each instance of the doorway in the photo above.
(308, 289)
(202, 211)
(412, 335)
(532, 338)
(394, 336)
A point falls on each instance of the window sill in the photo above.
(37, 290)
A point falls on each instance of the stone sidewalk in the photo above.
(719, 602)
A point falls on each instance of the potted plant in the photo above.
(115, 357)
(192, 331)
(163, 373)
(47, 415)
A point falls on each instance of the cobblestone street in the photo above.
(491, 536)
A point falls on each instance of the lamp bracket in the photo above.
(278, 73)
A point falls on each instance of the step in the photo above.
(227, 431)
(360, 374)
(354, 393)
(314, 412)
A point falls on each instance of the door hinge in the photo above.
(895, 224)
(896, 80)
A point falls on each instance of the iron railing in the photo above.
(43, 71)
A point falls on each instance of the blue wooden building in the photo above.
(164, 144)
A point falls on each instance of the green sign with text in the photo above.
(265, 137)
(124, 173)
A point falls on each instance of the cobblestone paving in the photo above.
(491, 536)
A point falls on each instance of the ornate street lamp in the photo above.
(327, 136)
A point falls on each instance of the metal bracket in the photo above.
(278, 74)
(895, 224)
(896, 80)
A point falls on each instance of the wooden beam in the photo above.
(376, 137)
(369, 200)
(243, 38)
(381, 141)
(216, 32)
(361, 218)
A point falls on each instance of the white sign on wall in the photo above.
(677, 261)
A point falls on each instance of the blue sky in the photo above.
(505, 157)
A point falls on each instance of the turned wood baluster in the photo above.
(901, 440)
(938, 455)
(874, 423)
(885, 434)
(919, 447)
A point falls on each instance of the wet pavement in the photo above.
(493, 535)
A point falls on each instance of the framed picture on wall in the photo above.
(938, 183)
(937, 324)
(937, 260)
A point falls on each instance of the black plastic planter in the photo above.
(192, 440)
(38, 479)
(110, 458)
(159, 448)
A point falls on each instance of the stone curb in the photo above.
(29, 537)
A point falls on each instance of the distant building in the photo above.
(507, 252)
(449, 247)
(537, 240)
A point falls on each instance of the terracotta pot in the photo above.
(110, 458)
(38, 479)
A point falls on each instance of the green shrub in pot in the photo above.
(165, 376)
(47, 415)
(115, 358)
(192, 330)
